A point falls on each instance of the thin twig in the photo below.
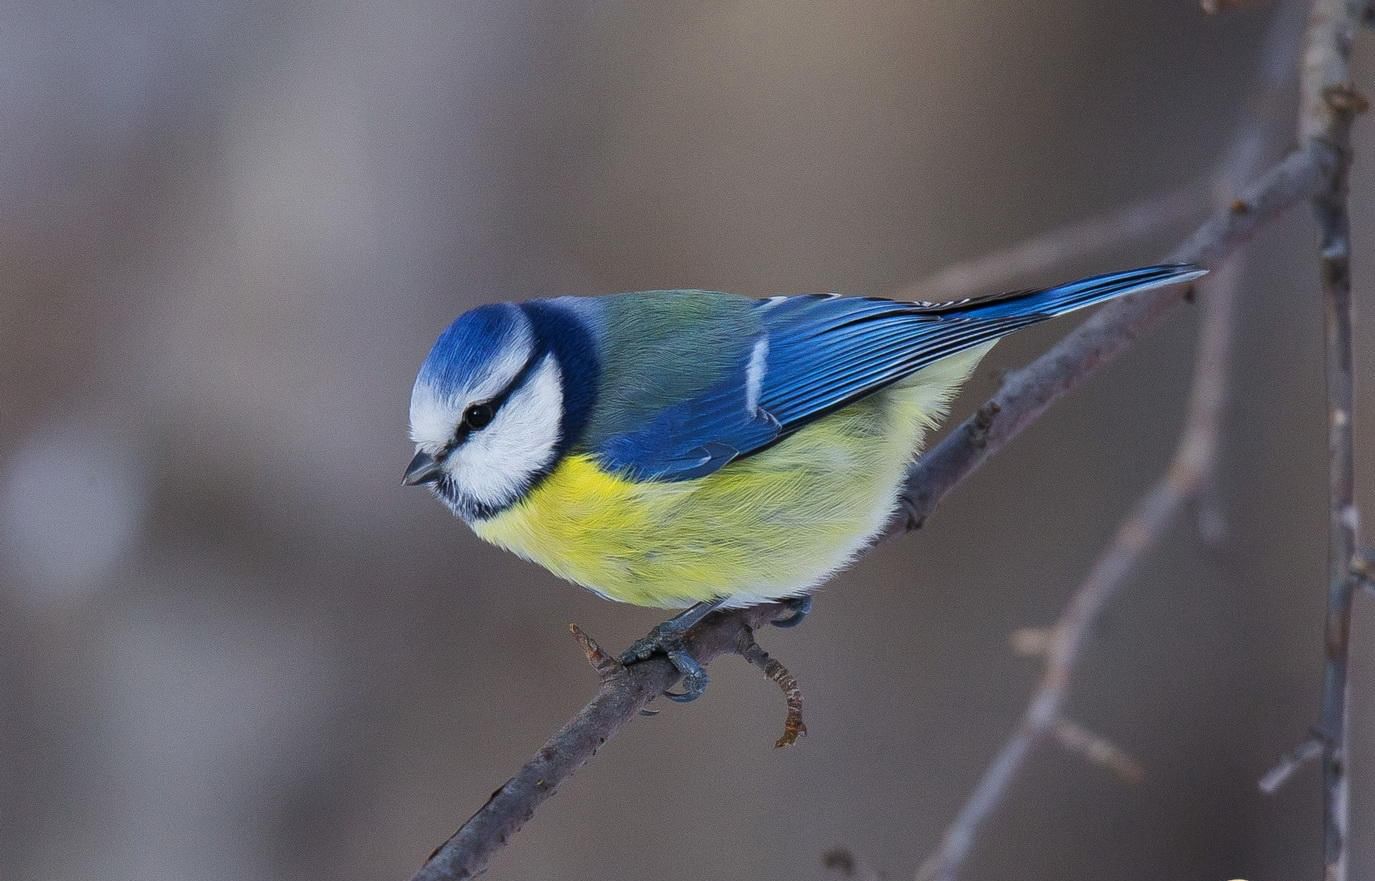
(1044, 252)
(793, 727)
(1098, 750)
(1024, 397)
(1307, 751)
(1330, 104)
(605, 664)
(1027, 393)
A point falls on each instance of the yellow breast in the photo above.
(767, 526)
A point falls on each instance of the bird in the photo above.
(699, 450)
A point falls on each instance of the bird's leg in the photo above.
(667, 638)
(800, 607)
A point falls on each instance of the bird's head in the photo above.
(487, 411)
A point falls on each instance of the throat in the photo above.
(473, 510)
(464, 506)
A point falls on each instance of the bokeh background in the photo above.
(232, 647)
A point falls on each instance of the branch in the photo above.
(1023, 398)
(1026, 393)
(1330, 104)
(623, 692)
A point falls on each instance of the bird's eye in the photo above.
(478, 416)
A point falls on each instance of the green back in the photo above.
(661, 347)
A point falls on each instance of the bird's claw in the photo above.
(695, 677)
(667, 639)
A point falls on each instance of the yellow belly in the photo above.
(768, 526)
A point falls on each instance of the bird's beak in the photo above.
(424, 468)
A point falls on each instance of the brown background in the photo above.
(233, 648)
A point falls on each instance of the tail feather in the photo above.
(1061, 299)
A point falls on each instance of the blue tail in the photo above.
(1075, 295)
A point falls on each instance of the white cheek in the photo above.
(495, 465)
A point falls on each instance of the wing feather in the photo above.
(822, 352)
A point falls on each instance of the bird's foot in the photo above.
(799, 608)
(669, 639)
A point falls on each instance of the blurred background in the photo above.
(232, 647)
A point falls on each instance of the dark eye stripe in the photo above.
(492, 405)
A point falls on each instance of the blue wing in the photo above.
(814, 354)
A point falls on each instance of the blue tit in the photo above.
(699, 449)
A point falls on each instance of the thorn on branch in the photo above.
(1098, 750)
(605, 665)
(750, 650)
(1292, 761)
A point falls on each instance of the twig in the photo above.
(623, 692)
(1044, 252)
(1301, 755)
(1026, 393)
(793, 727)
(1023, 398)
(605, 664)
(1098, 750)
(1330, 104)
